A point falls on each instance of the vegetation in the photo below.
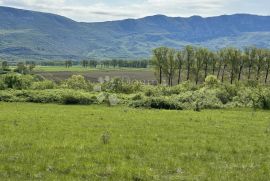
(114, 63)
(213, 94)
(55, 142)
(200, 62)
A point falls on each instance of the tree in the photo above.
(179, 63)
(159, 60)
(260, 60)
(85, 63)
(207, 58)
(114, 63)
(201, 56)
(233, 56)
(170, 66)
(68, 63)
(189, 58)
(5, 65)
(250, 54)
(223, 61)
(241, 64)
(21, 68)
(213, 61)
(267, 65)
(93, 63)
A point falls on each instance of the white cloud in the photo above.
(99, 10)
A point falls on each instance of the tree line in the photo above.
(199, 62)
(115, 63)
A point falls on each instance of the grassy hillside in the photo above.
(27, 34)
(57, 142)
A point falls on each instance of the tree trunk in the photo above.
(249, 72)
(205, 70)
(219, 69)
(179, 75)
(232, 74)
(197, 78)
(223, 73)
(258, 73)
(188, 71)
(267, 73)
(160, 75)
(240, 72)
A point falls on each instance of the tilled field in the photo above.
(94, 76)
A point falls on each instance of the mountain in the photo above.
(27, 34)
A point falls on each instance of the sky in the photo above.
(107, 10)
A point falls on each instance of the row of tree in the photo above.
(198, 62)
(22, 68)
(116, 63)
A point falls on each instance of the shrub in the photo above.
(261, 99)
(71, 97)
(119, 86)
(47, 84)
(44, 96)
(2, 83)
(157, 103)
(17, 81)
(163, 103)
(211, 81)
(77, 82)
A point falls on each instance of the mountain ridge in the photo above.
(36, 35)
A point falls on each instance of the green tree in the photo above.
(201, 56)
(5, 65)
(250, 55)
(214, 60)
(267, 65)
(260, 60)
(233, 56)
(241, 64)
(189, 59)
(179, 63)
(223, 61)
(159, 60)
(170, 66)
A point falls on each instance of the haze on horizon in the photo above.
(106, 10)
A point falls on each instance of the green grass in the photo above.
(58, 142)
(82, 69)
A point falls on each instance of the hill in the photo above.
(27, 34)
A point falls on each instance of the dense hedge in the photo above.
(76, 90)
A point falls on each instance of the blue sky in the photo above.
(106, 10)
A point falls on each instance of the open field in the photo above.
(58, 142)
(79, 68)
(58, 73)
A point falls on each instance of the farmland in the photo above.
(59, 73)
(60, 142)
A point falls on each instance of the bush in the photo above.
(17, 81)
(261, 99)
(47, 84)
(77, 82)
(157, 103)
(211, 81)
(119, 86)
(2, 83)
(44, 96)
(78, 98)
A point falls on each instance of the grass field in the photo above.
(58, 142)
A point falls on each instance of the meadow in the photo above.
(60, 142)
